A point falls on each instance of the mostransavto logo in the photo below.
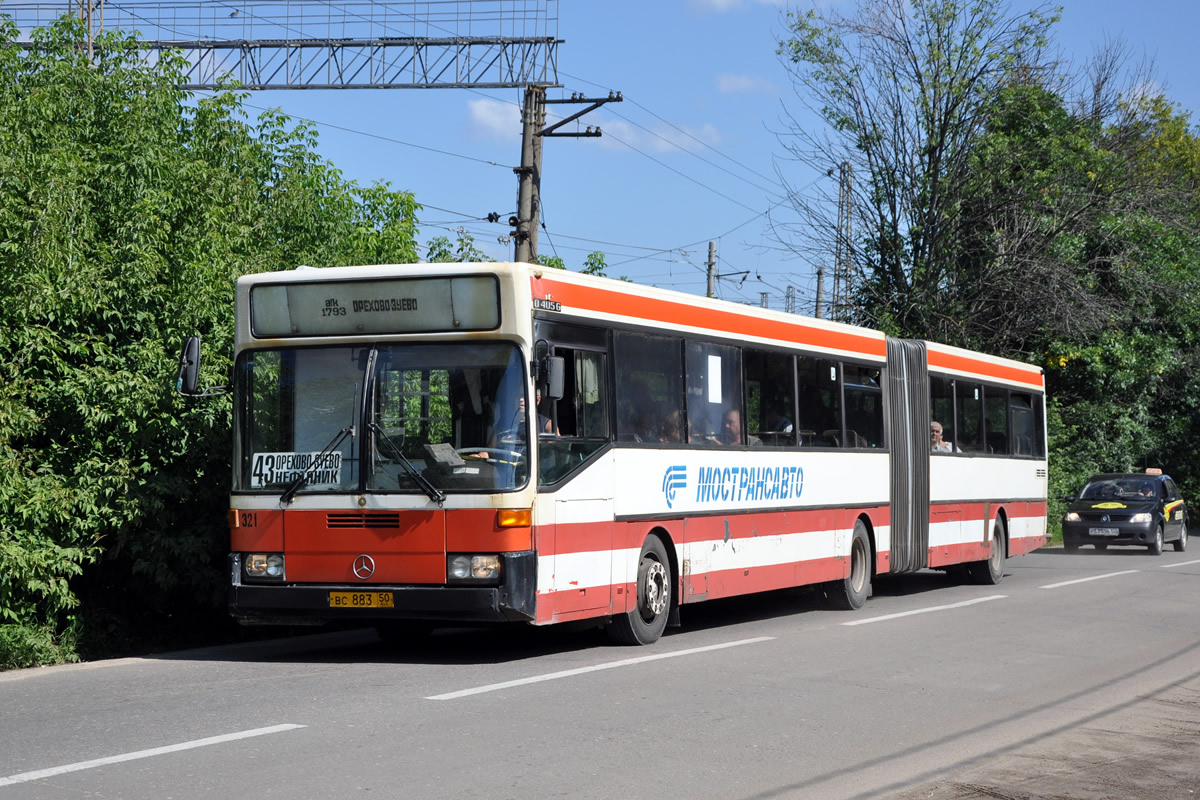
(675, 478)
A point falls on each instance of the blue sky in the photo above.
(691, 155)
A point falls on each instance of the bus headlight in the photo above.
(264, 566)
(471, 569)
(1142, 517)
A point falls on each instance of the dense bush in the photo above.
(128, 208)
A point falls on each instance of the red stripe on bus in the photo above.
(653, 309)
(588, 537)
(1029, 376)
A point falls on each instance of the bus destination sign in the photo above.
(408, 305)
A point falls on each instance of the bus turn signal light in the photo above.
(514, 518)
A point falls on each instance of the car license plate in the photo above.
(361, 600)
(1104, 531)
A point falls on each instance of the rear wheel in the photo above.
(852, 591)
(989, 571)
(1181, 542)
(1157, 544)
(645, 623)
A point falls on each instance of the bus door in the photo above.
(906, 403)
(575, 470)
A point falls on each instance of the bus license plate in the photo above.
(1104, 531)
(361, 600)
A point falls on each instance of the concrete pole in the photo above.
(820, 291)
(529, 175)
(712, 269)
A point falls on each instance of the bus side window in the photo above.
(770, 397)
(968, 416)
(864, 406)
(995, 413)
(1023, 425)
(820, 414)
(714, 393)
(648, 384)
(590, 403)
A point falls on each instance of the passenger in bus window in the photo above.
(545, 423)
(938, 444)
(731, 430)
(671, 429)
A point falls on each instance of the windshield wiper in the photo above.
(298, 484)
(426, 486)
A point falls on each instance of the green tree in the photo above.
(463, 249)
(127, 212)
(904, 88)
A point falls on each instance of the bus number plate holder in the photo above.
(361, 600)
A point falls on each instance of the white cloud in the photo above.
(728, 83)
(494, 119)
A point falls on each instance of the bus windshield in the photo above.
(411, 419)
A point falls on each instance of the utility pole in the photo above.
(762, 299)
(529, 174)
(843, 260)
(820, 291)
(789, 300)
(712, 269)
(91, 14)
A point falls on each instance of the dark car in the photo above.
(1127, 508)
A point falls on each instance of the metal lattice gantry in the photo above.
(320, 44)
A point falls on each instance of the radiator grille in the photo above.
(358, 519)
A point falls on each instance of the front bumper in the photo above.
(1128, 533)
(295, 604)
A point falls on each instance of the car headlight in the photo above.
(264, 566)
(1072, 516)
(465, 568)
(1142, 517)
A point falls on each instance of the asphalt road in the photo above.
(1077, 677)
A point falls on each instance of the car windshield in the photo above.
(393, 418)
(1120, 488)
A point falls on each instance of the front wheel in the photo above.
(852, 591)
(1181, 542)
(1157, 545)
(989, 571)
(644, 624)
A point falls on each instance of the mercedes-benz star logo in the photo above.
(364, 567)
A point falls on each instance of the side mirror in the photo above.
(187, 383)
(555, 369)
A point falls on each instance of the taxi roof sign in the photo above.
(1153, 471)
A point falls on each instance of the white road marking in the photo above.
(927, 610)
(155, 751)
(1085, 580)
(568, 673)
(1181, 564)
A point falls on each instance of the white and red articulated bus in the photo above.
(429, 444)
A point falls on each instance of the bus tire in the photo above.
(644, 624)
(852, 591)
(989, 571)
